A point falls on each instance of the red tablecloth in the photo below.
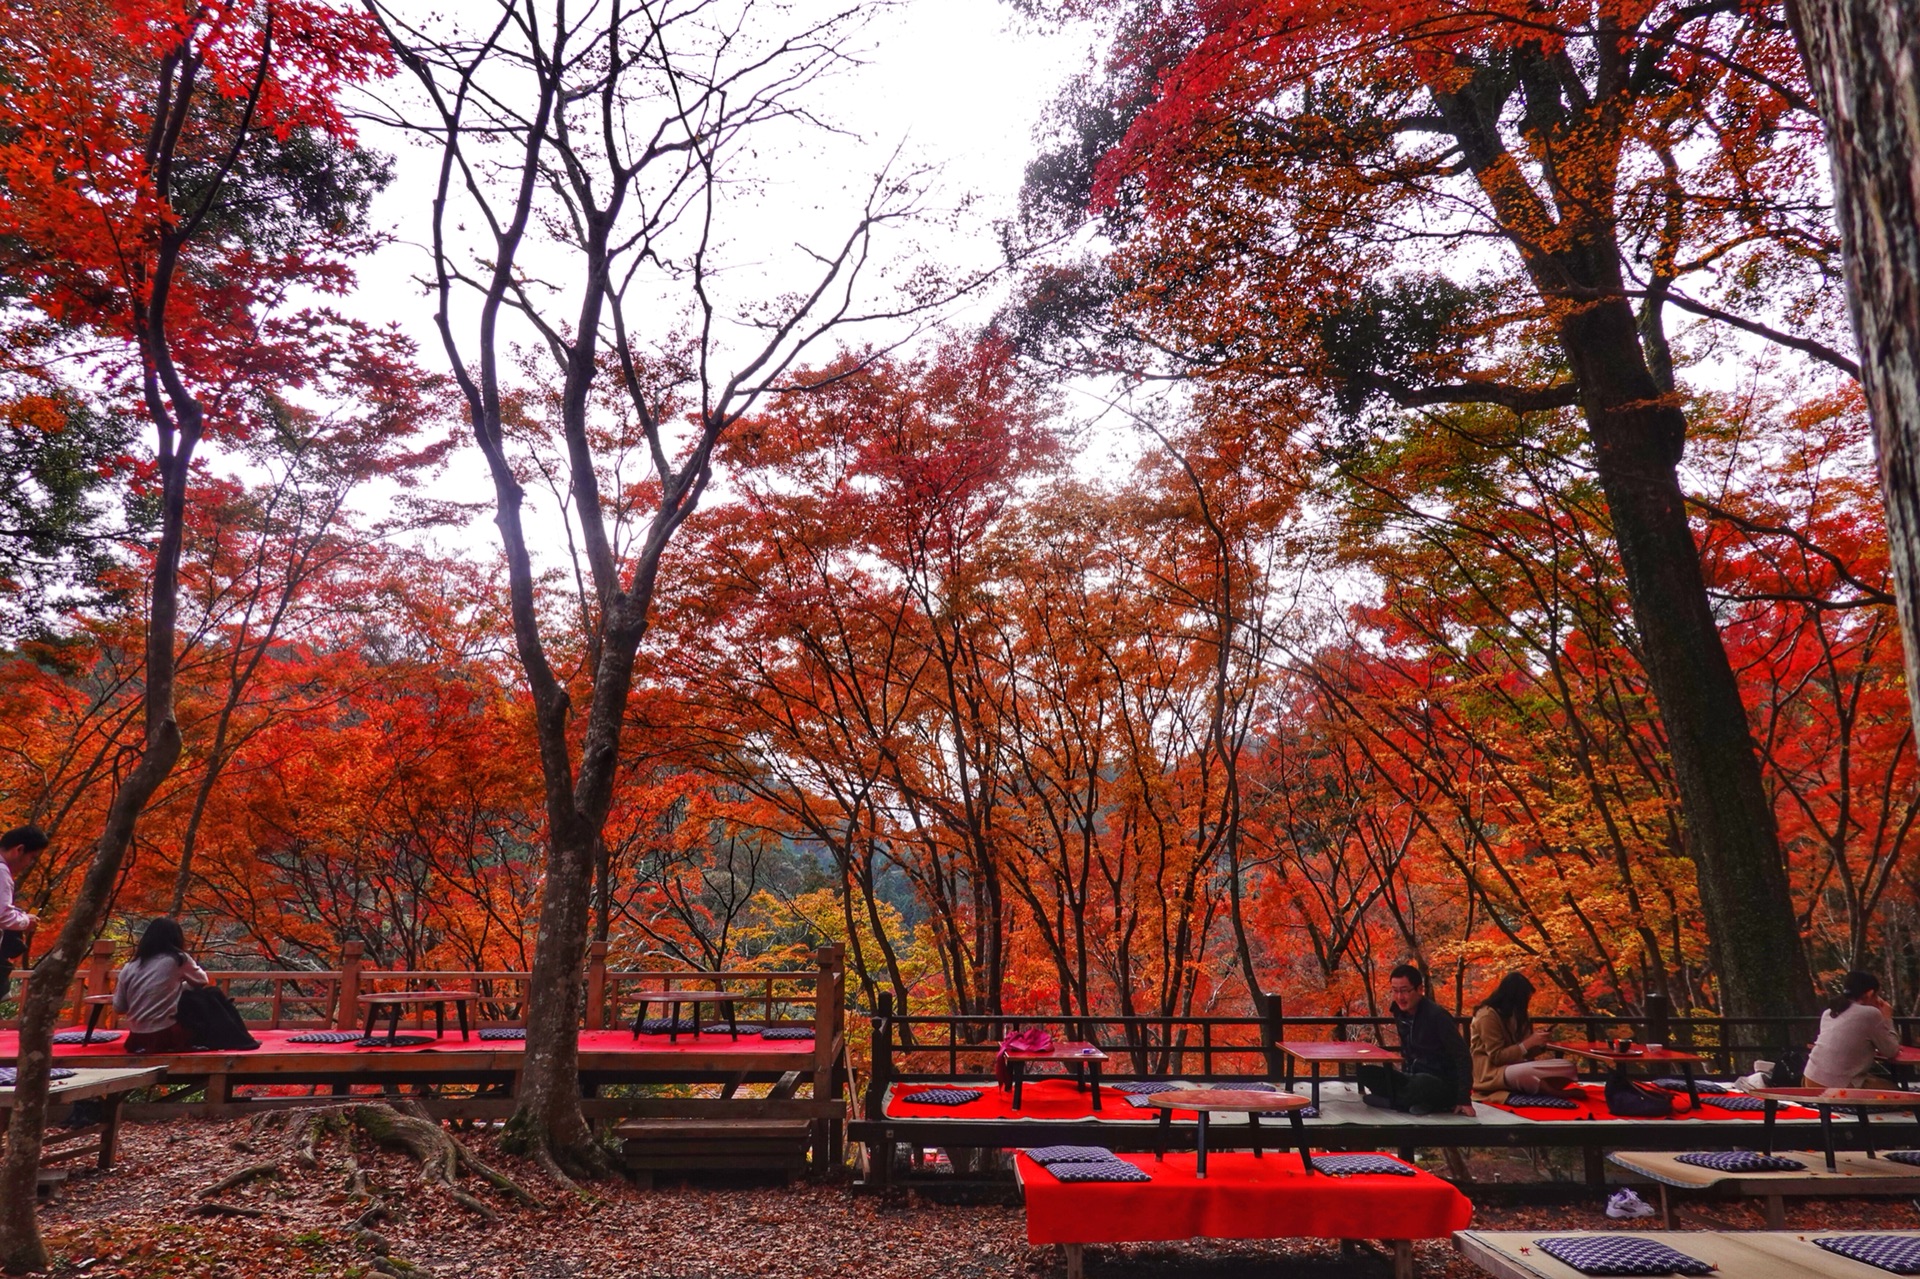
(1592, 1103)
(1241, 1198)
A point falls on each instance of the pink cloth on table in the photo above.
(1021, 1041)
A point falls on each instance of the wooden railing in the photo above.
(912, 1047)
(277, 999)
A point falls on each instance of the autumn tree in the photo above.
(1279, 179)
(607, 149)
(143, 157)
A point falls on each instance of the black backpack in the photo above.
(1788, 1069)
(1630, 1101)
(213, 1021)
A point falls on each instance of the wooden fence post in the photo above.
(597, 984)
(96, 978)
(1658, 1025)
(829, 1010)
(880, 1073)
(1274, 1030)
(346, 1014)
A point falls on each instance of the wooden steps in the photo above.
(669, 1147)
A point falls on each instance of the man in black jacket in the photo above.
(1438, 1069)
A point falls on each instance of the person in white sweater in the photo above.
(1855, 1028)
(147, 996)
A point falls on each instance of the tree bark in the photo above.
(1638, 435)
(1863, 61)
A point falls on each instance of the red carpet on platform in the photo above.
(277, 1043)
(1242, 1198)
(1041, 1099)
(1593, 1105)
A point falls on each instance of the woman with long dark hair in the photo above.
(1856, 1026)
(1507, 1049)
(147, 996)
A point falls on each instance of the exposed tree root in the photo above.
(255, 1172)
(401, 1126)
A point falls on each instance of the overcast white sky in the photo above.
(955, 84)
(958, 85)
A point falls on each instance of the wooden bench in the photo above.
(100, 1138)
(1512, 1254)
(1854, 1174)
(1242, 1197)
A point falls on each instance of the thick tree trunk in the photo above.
(21, 1248)
(1863, 60)
(1638, 435)
(548, 1119)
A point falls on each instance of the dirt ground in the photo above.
(148, 1220)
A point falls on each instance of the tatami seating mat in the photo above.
(1849, 1166)
(1759, 1254)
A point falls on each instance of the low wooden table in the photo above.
(1826, 1101)
(1204, 1101)
(96, 1005)
(1088, 1055)
(390, 1003)
(1639, 1056)
(1337, 1051)
(693, 998)
(110, 1088)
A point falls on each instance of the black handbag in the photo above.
(212, 1021)
(1628, 1100)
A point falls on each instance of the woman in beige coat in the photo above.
(1506, 1048)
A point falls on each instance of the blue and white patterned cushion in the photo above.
(1899, 1254)
(1740, 1161)
(1360, 1165)
(1044, 1155)
(1540, 1101)
(1734, 1103)
(1909, 1157)
(1098, 1170)
(787, 1032)
(503, 1033)
(942, 1096)
(666, 1025)
(1673, 1083)
(398, 1041)
(80, 1037)
(1145, 1087)
(8, 1079)
(1621, 1255)
(324, 1037)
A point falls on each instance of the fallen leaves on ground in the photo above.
(144, 1221)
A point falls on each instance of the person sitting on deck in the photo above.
(1506, 1047)
(1853, 1028)
(1438, 1072)
(19, 849)
(148, 995)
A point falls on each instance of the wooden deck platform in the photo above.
(1343, 1124)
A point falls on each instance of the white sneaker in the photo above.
(1626, 1204)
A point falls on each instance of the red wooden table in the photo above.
(389, 1004)
(1204, 1101)
(1088, 1055)
(1639, 1055)
(1825, 1100)
(1337, 1051)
